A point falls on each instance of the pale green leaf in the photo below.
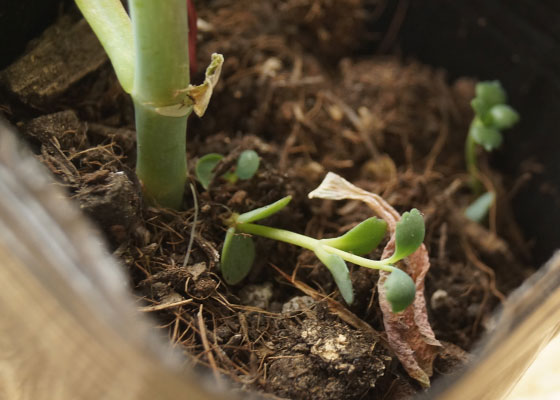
(339, 271)
(478, 210)
(488, 94)
(237, 257)
(409, 235)
(488, 137)
(264, 212)
(247, 164)
(111, 24)
(502, 116)
(205, 167)
(361, 239)
(400, 290)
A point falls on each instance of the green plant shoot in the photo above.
(247, 165)
(149, 52)
(238, 255)
(492, 115)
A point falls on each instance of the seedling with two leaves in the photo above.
(238, 252)
(492, 116)
(247, 165)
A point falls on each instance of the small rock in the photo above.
(115, 202)
(297, 304)
(196, 270)
(257, 295)
(64, 127)
(439, 299)
(64, 54)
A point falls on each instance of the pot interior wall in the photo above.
(21, 21)
(517, 42)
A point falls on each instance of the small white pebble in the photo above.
(439, 298)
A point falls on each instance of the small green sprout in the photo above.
(205, 167)
(492, 116)
(247, 165)
(239, 251)
(400, 290)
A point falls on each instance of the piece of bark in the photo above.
(64, 126)
(60, 57)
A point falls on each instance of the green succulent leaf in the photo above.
(204, 168)
(502, 116)
(488, 94)
(487, 137)
(361, 239)
(478, 210)
(263, 212)
(339, 271)
(409, 235)
(479, 107)
(400, 290)
(237, 257)
(247, 164)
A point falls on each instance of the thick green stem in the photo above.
(470, 157)
(161, 163)
(161, 72)
(310, 244)
(161, 50)
(277, 234)
(111, 25)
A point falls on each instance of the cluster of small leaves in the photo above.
(238, 253)
(247, 165)
(492, 115)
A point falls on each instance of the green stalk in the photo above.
(310, 244)
(111, 25)
(470, 157)
(161, 163)
(161, 72)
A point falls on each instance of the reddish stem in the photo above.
(192, 36)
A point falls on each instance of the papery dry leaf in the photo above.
(409, 333)
(201, 94)
(196, 97)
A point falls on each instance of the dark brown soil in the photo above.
(294, 90)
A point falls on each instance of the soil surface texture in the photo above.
(303, 84)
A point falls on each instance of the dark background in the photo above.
(20, 21)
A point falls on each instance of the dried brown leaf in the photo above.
(409, 333)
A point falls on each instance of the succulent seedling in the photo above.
(247, 165)
(150, 54)
(492, 116)
(238, 252)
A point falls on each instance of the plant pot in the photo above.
(69, 324)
